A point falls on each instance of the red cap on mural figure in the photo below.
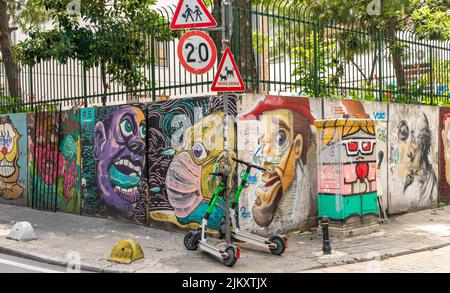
(297, 104)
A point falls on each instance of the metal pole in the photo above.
(226, 22)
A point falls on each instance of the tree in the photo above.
(24, 13)
(112, 35)
(429, 18)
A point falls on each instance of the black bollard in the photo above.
(326, 248)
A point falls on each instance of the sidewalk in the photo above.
(164, 251)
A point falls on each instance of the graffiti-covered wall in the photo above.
(347, 167)
(277, 133)
(113, 153)
(444, 154)
(185, 145)
(413, 157)
(378, 112)
(13, 159)
(69, 177)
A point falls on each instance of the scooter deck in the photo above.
(213, 250)
(252, 239)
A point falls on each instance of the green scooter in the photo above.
(228, 252)
(277, 244)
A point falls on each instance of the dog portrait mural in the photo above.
(114, 162)
(69, 175)
(347, 168)
(413, 158)
(444, 153)
(13, 159)
(378, 113)
(279, 129)
(186, 144)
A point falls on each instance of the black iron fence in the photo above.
(279, 48)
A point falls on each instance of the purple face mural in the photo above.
(119, 158)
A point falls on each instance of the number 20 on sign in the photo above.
(197, 52)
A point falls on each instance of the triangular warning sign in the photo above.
(228, 78)
(192, 14)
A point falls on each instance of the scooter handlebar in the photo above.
(249, 165)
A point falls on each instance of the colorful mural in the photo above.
(378, 113)
(280, 199)
(114, 162)
(13, 159)
(347, 167)
(185, 145)
(444, 153)
(45, 160)
(413, 145)
(69, 186)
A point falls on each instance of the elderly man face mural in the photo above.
(282, 150)
(119, 158)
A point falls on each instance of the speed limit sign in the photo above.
(197, 52)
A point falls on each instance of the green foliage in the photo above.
(116, 38)
(326, 70)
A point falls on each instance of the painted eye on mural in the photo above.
(366, 146)
(126, 128)
(353, 146)
(142, 130)
(280, 138)
(199, 151)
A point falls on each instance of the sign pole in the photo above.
(226, 22)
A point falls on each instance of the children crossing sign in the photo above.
(192, 14)
(228, 78)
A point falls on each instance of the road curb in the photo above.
(50, 261)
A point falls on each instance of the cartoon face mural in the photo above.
(186, 144)
(118, 152)
(10, 188)
(282, 195)
(378, 113)
(444, 177)
(347, 170)
(412, 172)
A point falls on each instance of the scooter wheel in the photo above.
(281, 245)
(231, 258)
(190, 242)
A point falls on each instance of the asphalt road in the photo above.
(13, 264)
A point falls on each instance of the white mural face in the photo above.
(413, 157)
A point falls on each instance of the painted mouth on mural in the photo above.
(268, 196)
(125, 176)
(6, 168)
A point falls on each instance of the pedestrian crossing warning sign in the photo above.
(228, 78)
(192, 14)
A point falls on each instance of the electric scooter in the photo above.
(228, 252)
(277, 244)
